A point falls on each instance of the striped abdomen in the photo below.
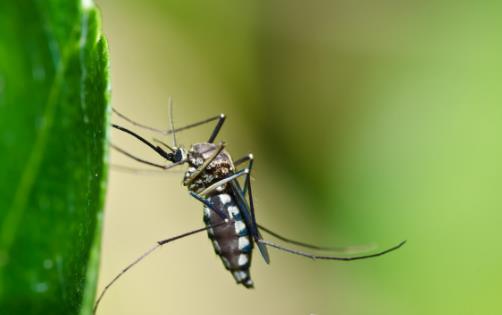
(231, 242)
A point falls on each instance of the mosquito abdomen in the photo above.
(231, 242)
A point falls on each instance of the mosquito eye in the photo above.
(178, 155)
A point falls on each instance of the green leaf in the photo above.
(54, 96)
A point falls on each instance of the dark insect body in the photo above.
(231, 241)
(212, 177)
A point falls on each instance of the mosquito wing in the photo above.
(249, 219)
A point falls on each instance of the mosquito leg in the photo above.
(248, 211)
(216, 130)
(247, 185)
(316, 247)
(168, 132)
(208, 204)
(287, 240)
(147, 253)
(251, 203)
(250, 159)
(211, 188)
(312, 256)
(244, 159)
(224, 181)
(137, 124)
(200, 123)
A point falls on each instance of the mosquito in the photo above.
(212, 178)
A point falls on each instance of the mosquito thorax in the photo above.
(218, 168)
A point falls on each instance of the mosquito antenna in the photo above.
(147, 253)
(314, 257)
(171, 121)
(137, 124)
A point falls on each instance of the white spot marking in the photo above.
(243, 259)
(239, 275)
(239, 227)
(210, 232)
(243, 242)
(208, 178)
(233, 211)
(225, 198)
(207, 212)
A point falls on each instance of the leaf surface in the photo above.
(54, 99)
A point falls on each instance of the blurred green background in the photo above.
(371, 122)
